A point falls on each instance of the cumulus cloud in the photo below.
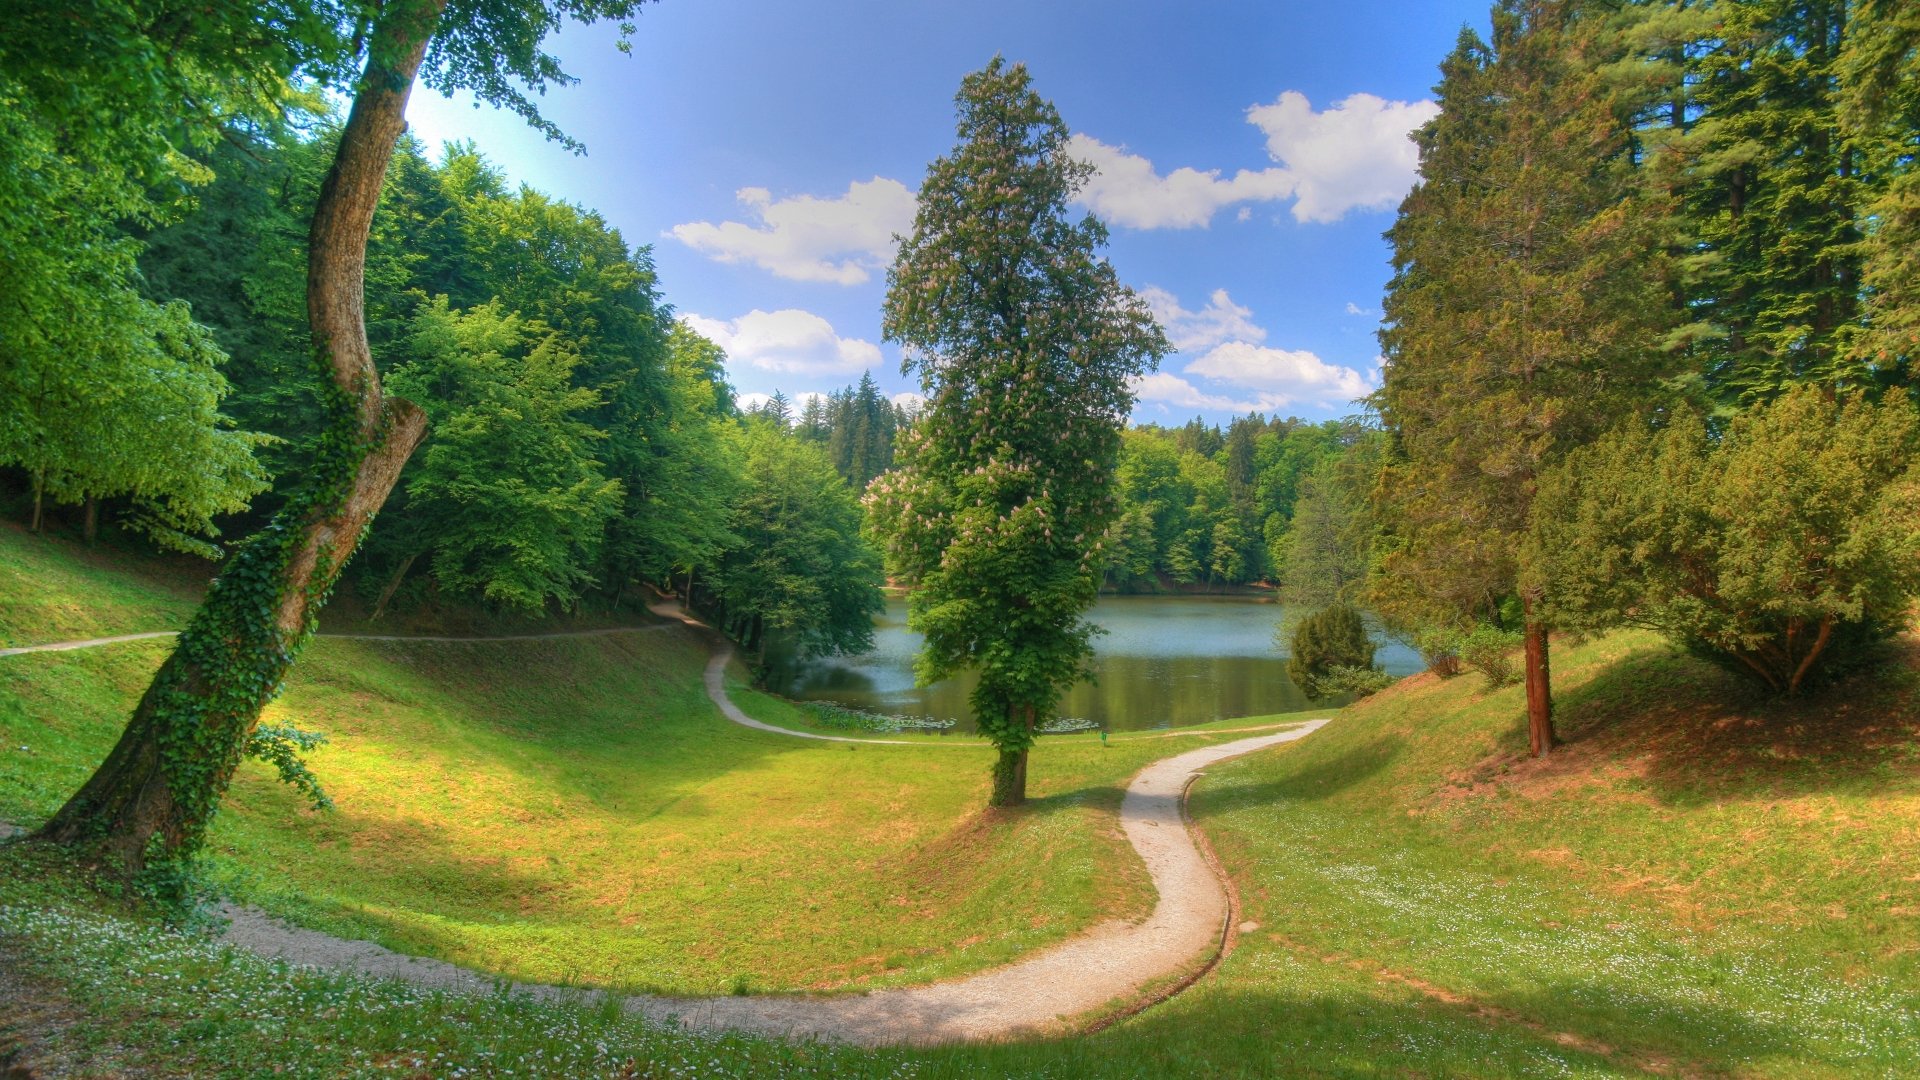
(1221, 320)
(1164, 389)
(910, 401)
(842, 240)
(789, 340)
(1353, 156)
(1281, 377)
(1126, 190)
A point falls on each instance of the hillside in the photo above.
(574, 811)
(1698, 883)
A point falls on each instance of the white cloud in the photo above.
(1161, 388)
(789, 340)
(1281, 377)
(910, 401)
(1220, 321)
(1127, 191)
(1354, 156)
(841, 240)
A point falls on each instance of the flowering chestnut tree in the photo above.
(1026, 345)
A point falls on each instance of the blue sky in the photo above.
(1250, 155)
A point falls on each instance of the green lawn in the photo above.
(575, 811)
(1698, 883)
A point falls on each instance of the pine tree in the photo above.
(1772, 194)
(1880, 71)
(1526, 293)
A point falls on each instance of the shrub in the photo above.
(1440, 648)
(1334, 636)
(1358, 681)
(1785, 548)
(1489, 651)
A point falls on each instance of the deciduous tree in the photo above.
(1026, 344)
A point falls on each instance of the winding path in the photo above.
(1112, 964)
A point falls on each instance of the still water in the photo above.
(1164, 661)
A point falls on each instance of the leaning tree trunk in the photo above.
(155, 794)
(1540, 738)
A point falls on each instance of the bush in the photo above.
(1489, 651)
(1785, 548)
(1332, 637)
(1440, 649)
(1358, 681)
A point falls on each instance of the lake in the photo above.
(1165, 661)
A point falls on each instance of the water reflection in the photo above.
(1164, 662)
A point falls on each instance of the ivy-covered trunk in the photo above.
(153, 798)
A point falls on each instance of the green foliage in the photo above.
(1529, 268)
(282, 746)
(1440, 648)
(1783, 548)
(1333, 637)
(514, 500)
(799, 566)
(1879, 67)
(1004, 486)
(1358, 681)
(1772, 193)
(1324, 554)
(1488, 649)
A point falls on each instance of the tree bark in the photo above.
(39, 500)
(1010, 770)
(90, 521)
(1009, 779)
(1540, 739)
(154, 796)
(392, 586)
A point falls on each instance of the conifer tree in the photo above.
(1527, 290)
(1771, 187)
(1880, 106)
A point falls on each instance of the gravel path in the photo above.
(1111, 963)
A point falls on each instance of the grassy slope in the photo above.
(1698, 883)
(575, 811)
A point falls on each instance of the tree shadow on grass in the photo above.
(1707, 736)
(1361, 1031)
(1323, 778)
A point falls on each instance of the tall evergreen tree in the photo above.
(1526, 292)
(1772, 193)
(1025, 343)
(1880, 77)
